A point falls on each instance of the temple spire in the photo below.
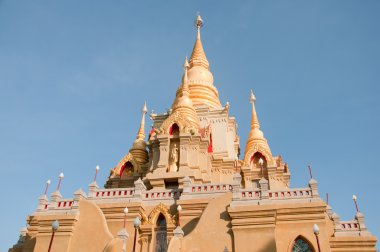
(141, 132)
(198, 56)
(182, 103)
(254, 120)
(185, 84)
(256, 141)
(138, 150)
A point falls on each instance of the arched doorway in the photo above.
(161, 234)
(302, 245)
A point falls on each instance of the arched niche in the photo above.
(174, 130)
(174, 148)
(126, 170)
(301, 244)
(255, 160)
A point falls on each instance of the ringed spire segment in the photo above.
(200, 79)
(198, 56)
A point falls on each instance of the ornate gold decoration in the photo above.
(161, 208)
(129, 157)
(183, 123)
(258, 148)
(141, 133)
(144, 218)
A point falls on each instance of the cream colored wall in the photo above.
(211, 233)
(91, 231)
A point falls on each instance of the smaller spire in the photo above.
(256, 138)
(185, 85)
(254, 120)
(141, 132)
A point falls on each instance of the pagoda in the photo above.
(183, 187)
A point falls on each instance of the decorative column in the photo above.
(78, 195)
(313, 184)
(55, 196)
(163, 154)
(42, 201)
(186, 185)
(264, 189)
(92, 188)
(336, 221)
(123, 235)
(140, 189)
(184, 144)
(236, 185)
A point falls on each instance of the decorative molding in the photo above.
(161, 208)
(115, 173)
(185, 126)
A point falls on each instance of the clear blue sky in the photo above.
(74, 75)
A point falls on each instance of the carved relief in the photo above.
(262, 150)
(183, 123)
(174, 157)
(144, 218)
(161, 208)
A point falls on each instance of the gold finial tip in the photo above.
(144, 108)
(198, 22)
(186, 64)
(252, 97)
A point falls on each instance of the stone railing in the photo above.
(355, 227)
(250, 194)
(64, 204)
(210, 188)
(112, 193)
(290, 194)
(203, 190)
(263, 195)
(349, 225)
(162, 194)
(58, 203)
(137, 193)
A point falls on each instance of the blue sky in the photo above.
(74, 75)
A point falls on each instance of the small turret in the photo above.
(138, 149)
(256, 141)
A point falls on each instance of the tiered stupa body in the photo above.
(187, 186)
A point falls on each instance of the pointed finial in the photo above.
(252, 98)
(254, 120)
(141, 132)
(186, 64)
(185, 87)
(144, 109)
(198, 21)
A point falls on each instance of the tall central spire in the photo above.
(202, 90)
(198, 56)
